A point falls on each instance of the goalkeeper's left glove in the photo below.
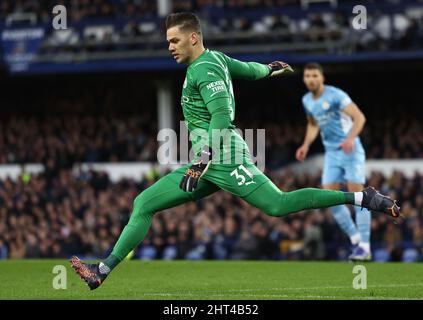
(276, 68)
(191, 176)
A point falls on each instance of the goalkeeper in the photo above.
(209, 107)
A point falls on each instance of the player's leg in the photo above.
(362, 251)
(355, 175)
(272, 201)
(343, 218)
(332, 177)
(268, 198)
(249, 183)
(165, 193)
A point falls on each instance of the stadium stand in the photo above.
(64, 120)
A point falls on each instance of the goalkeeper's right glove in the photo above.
(276, 68)
(193, 173)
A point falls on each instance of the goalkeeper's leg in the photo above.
(274, 202)
(162, 195)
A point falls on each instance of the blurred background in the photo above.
(81, 108)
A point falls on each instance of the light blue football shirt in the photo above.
(334, 124)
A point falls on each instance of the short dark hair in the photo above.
(186, 21)
(314, 66)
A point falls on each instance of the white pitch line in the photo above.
(288, 296)
(297, 288)
(223, 293)
(331, 287)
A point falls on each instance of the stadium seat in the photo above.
(147, 253)
(410, 255)
(381, 255)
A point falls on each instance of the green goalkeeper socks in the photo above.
(134, 232)
(111, 261)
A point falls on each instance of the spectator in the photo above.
(3, 249)
(246, 247)
(75, 214)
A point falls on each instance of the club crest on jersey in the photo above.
(325, 105)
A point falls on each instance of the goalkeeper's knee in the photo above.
(273, 210)
(141, 206)
(278, 207)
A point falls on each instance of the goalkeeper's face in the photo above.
(313, 79)
(181, 44)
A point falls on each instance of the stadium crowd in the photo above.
(72, 139)
(59, 213)
(386, 30)
(62, 212)
(80, 9)
(66, 141)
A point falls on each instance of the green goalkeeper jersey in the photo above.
(208, 103)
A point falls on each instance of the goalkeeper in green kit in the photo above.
(209, 108)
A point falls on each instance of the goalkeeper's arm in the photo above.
(220, 119)
(254, 70)
(220, 112)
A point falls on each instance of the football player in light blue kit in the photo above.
(340, 121)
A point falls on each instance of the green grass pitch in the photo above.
(192, 280)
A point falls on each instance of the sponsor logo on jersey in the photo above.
(216, 86)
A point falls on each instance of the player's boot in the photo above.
(88, 272)
(360, 254)
(375, 201)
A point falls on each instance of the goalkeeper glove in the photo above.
(191, 176)
(276, 68)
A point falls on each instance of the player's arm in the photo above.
(311, 134)
(254, 70)
(217, 99)
(220, 112)
(358, 120)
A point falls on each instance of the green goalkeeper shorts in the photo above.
(238, 179)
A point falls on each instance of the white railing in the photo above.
(137, 170)
(20, 17)
(305, 3)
